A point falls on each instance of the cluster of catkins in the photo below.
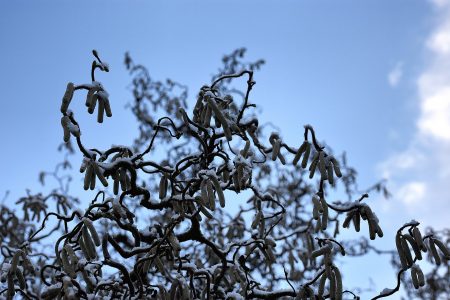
(363, 211)
(209, 106)
(413, 240)
(15, 271)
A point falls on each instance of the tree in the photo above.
(164, 230)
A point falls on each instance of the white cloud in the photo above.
(395, 75)
(420, 175)
(412, 193)
(440, 3)
(435, 114)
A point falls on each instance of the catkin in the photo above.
(173, 240)
(73, 258)
(269, 255)
(211, 198)
(328, 264)
(332, 286)
(83, 248)
(236, 182)
(338, 277)
(299, 153)
(207, 117)
(90, 226)
(159, 265)
(262, 225)
(275, 149)
(315, 213)
(281, 158)
(330, 174)
(314, 162)
(313, 166)
(89, 284)
(219, 191)
(93, 177)
(414, 278)
(99, 174)
(83, 166)
(65, 125)
(378, 230)
(217, 122)
(15, 261)
(337, 169)
(434, 253)
(306, 156)
(89, 243)
(420, 276)
(11, 289)
(318, 226)
(184, 116)
(197, 108)
(336, 229)
(357, 221)
(66, 265)
(163, 187)
(127, 181)
(419, 240)
(123, 179)
(146, 265)
(93, 103)
(442, 247)
(107, 107)
(407, 252)
(204, 193)
(414, 245)
(225, 175)
(322, 166)
(67, 97)
(101, 110)
(348, 219)
(26, 261)
(322, 282)
(116, 183)
(202, 115)
(244, 152)
(222, 120)
(324, 213)
(372, 229)
(21, 279)
(258, 204)
(90, 96)
(240, 175)
(310, 243)
(401, 251)
(316, 202)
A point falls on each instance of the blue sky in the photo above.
(370, 76)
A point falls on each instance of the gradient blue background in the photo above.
(328, 64)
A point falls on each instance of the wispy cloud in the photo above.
(396, 74)
(420, 175)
